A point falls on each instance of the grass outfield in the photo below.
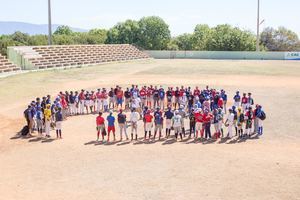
(77, 167)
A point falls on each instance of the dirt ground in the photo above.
(77, 167)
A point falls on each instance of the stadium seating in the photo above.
(7, 66)
(42, 57)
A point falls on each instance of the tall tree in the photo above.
(154, 33)
(280, 39)
(201, 37)
(124, 33)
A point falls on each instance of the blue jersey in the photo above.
(161, 94)
(111, 120)
(169, 114)
(224, 96)
(158, 119)
(39, 114)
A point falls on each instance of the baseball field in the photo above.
(76, 167)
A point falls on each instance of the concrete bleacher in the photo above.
(6, 65)
(43, 57)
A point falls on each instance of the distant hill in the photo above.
(31, 29)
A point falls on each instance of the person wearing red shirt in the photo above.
(120, 95)
(199, 123)
(220, 103)
(197, 92)
(150, 96)
(148, 124)
(244, 101)
(100, 126)
(143, 95)
(207, 117)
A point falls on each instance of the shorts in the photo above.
(58, 125)
(158, 127)
(119, 101)
(168, 123)
(177, 129)
(100, 127)
(198, 126)
(148, 126)
(111, 128)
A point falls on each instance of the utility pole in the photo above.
(49, 24)
(258, 24)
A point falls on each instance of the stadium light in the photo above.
(49, 24)
(258, 24)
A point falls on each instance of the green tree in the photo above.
(280, 39)
(228, 38)
(63, 30)
(154, 33)
(201, 37)
(184, 41)
(97, 36)
(36, 40)
(124, 33)
(20, 38)
(62, 40)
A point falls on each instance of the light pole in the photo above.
(258, 24)
(49, 24)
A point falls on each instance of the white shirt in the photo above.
(230, 117)
(134, 117)
(136, 103)
(176, 121)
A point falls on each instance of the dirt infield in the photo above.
(78, 168)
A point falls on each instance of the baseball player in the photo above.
(229, 122)
(177, 124)
(100, 126)
(58, 122)
(122, 124)
(168, 115)
(158, 122)
(134, 118)
(111, 125)
(148, 124)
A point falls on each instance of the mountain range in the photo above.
(32, 29)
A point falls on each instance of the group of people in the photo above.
(157, 108)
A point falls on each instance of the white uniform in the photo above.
(230, 120)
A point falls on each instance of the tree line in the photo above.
(153, 33)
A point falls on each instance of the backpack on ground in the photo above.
(24, 131)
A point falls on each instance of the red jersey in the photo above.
(207, 118)
(149, 92)
(120, 94)
(93, 97)
(244, 100)
(148, 118)
(199, 117)
(98, 95)
(99, 120)
(103, 95)
(181, 92)
(81, 96)
(196, 92)
(143, 93)
(220, 102)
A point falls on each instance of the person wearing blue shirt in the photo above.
(111, 125)
(168, 115)
(39, 120)
(158, 121)
(162, 93)
(224, 97)
(237, 99)
(259, 114)
(58, 122)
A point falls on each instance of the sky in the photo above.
(182, 16)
